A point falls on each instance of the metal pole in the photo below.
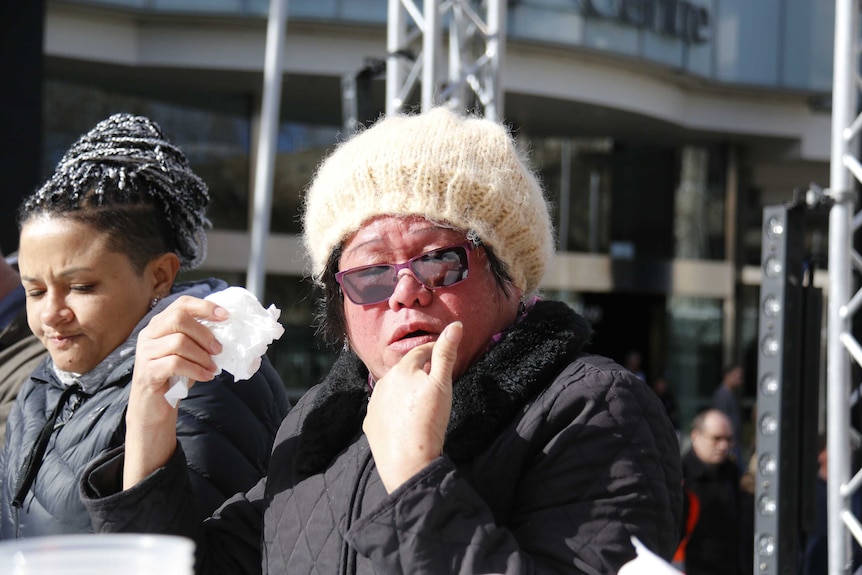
(422, 45)
(840, 249)
(457, 45)
(266, 148)
(595, 205)
(565, 193)
(837, 391)
(396, 34)
(497, 11)
(431, 53)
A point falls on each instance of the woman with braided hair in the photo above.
(101, 243)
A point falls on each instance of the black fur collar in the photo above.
(484, 400)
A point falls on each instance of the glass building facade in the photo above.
(660, 130)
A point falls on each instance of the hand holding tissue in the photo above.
(245, 336)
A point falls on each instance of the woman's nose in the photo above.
(409, 291)
(53, 309)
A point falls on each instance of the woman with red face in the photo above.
(101, 244)
(463, 429)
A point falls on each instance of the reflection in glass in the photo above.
(694, 350)
(576, 175)
(300, 149)
(216, 141)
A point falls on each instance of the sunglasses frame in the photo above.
(468, 247)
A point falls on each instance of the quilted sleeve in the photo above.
(227, 429)
(162, 503)
(589, 463)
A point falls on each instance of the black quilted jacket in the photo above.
(226, 430)
(553, 460)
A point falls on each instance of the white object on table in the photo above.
(646, 563)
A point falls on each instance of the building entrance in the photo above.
(628, 322)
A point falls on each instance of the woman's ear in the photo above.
(163, 270)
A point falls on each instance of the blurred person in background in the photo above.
(726, 399)
(662, 388)
(20, 350)
(634, 363)
(815, 556)
(712, 542)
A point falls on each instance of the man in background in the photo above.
(726, 400)
(20, 350)
(711, 481)
(634, 363)
(815, 555)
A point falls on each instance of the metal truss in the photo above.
(475, 55)
(845, 168)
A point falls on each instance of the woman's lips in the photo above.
(61, 341)
(413, 339)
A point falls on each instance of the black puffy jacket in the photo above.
(226, 429)
(553, 460)
(714, 546)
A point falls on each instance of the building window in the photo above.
(576, 175)
(633, 200)
(216, 141)
(699, 198)
(694, 351)
(301, 147)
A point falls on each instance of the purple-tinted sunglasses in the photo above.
(443, 267)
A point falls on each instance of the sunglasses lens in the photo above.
(369, 285)
(374, 284)
(441, 268)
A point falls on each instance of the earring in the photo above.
(154, 302)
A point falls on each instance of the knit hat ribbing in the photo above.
(466, 172)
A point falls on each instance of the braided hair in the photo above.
(125, 179)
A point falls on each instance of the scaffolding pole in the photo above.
(840, 341)
(477, 36)
(264, 174)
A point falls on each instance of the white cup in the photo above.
(103, 554)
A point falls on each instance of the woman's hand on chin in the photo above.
(409, 409)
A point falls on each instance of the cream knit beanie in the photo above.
(444, 167)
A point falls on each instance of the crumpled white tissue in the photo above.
(646, 563)
(244, 336)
